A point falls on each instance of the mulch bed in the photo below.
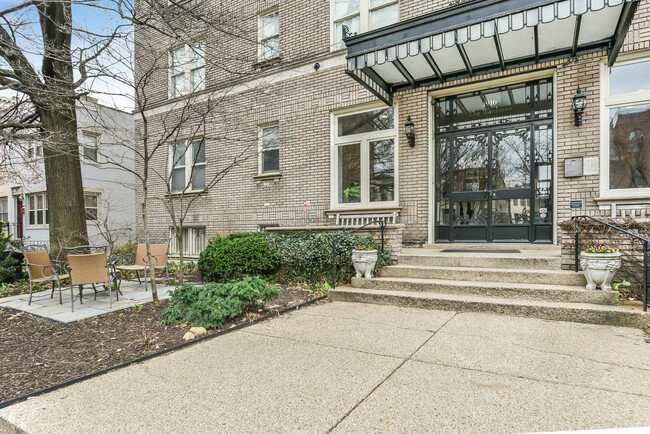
(36, 353)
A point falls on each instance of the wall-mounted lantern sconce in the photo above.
(579, 104)
(409, 130)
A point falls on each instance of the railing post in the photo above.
(645, 276)
(333, 264)
(576, 244)
(381, 226)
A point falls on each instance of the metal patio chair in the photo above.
(87, 265)
(159, 256)
(41, 270)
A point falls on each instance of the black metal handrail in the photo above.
(382, 226)
(576, 220)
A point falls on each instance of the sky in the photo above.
(98, 18)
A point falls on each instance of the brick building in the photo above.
(488, 85)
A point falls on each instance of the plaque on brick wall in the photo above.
(590, 165)
(576, 204)
(572, 167)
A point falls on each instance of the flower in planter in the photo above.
(601, 248)
(364, 247)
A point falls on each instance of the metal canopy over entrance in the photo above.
(480, 37)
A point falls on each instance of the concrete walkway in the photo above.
(346, 367)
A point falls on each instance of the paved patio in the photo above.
(346, 367)
(46, 307)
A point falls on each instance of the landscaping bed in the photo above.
(36, 353)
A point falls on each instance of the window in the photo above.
(188, 166)
(193, 241)
(91, 204)
(4, 209)
(269, 36)
(362, 15)
(364, 158)
(37, 209)
(34, 151)
(626, 141)
(269, 161)
(187, 69)
(90, 147)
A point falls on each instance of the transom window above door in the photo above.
(364, 159)
(360, 16)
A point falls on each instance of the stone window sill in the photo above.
(268, 176)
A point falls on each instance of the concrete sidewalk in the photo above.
(347, 367)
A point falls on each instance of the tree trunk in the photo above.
(152, 268)
(65, 197)
(57, 110)
(181, 258)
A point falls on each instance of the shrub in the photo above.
(125, 249)
(306, 257)
(210, 306)
(10, 267)
(236, 255)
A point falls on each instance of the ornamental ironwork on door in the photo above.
(494, 165)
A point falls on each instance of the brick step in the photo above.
(557, 293)
(549, 277)
(575, 312)
(472, 260)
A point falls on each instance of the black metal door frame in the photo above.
(493, 194)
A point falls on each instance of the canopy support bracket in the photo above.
(402, 70)
(463, 55)
(497, 43)
(576, 36)
(629, 8)
(432, 63)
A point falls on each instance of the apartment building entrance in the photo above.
(494, 165)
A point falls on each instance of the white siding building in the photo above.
(105, 134)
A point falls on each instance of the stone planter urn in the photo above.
(600, 269)
(364, 262)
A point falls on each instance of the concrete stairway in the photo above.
(530, 283)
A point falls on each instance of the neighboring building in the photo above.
(105, 134)
(488, 85)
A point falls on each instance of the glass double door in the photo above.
(494, 184)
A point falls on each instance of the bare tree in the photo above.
(158, 32)
(52, 92)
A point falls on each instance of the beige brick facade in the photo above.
(300, 99)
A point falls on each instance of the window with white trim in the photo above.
(187, 168)
(91, 205)
(4, 209)
(187, 69)
(626, 150)
(361, 16)
(269, 35)
(90, 147)
(364, 158)
(37, 212)
(269, 161)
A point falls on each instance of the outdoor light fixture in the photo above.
(409, 130)
(579, 104)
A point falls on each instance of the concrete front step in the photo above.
(556, 293)
(575, 312)
(549, 277)
(473, 260)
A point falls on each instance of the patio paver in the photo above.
(46, 307)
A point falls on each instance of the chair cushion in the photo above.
(130, 267)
